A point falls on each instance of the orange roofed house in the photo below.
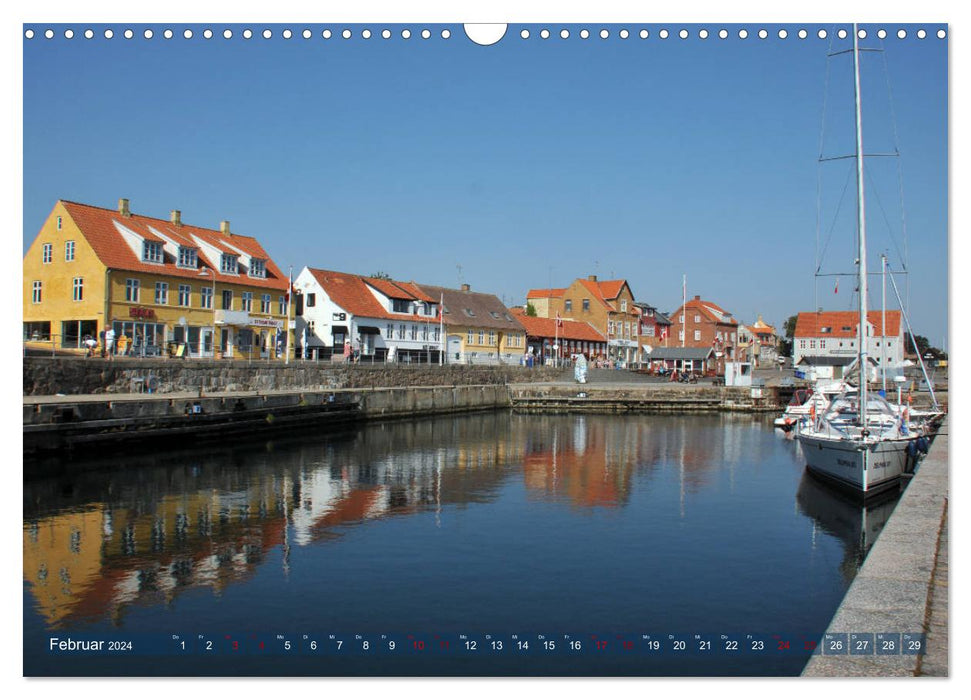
(574, 337)
(704, 324)
(606, 305)
(158, 284)
(826, 341)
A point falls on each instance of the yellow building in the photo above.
(479, 329)
(157, 285)
(606, 305)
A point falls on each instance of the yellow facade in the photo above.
(57, 278)
(479, 340)
(61, 321)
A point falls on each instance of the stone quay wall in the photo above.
(71, 376)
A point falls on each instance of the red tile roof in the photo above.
(809, 324)
(546, 328)
(351, 293)
(709, 309)
(398, 290)
(98, 226)
(610, 289)
(596, 293)
(544, 293)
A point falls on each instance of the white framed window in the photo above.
(38, 289)
(265, 304)
(681, 335)
(697, 335)
(247, 301)
(227, 295)
(161, 292)
(469, 340)
(610, 327)
(282, 302)
(438, 336)
(131, 290)
(68, 251)
(492, 337)
(623, 306)
(401, 331)
(77, 289)
(310, 299)
(414, 332)
(697, 318)
(184, 292)
(389, 331)
(481, 337)
(205, 295)
(257, 267)
(229, 264)
(48, 253)
(58, 223)
(188, 257)
(568, 306)
(152, 252)
(802, 344)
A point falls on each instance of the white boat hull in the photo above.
(867, 471)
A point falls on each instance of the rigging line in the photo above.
(876, 195)
(900, 170)
(819, 171)
(839, 206)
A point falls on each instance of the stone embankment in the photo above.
(45, 376)
(902, 587)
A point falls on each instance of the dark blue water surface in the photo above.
(492, 523)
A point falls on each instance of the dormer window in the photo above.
(257, 267)
(152, 252)
(401, 306)
(826, 329)
(469, 312)
(229, 264)
(494, 314)
(188, 257)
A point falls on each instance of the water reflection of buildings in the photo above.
(168, 523)
(97, 541)
(854, 523)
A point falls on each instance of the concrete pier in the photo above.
(902, 585)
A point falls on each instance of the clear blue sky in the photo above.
(527, 162)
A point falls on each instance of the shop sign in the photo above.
(266, 323)
(140, 312)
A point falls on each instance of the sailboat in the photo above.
(859, 441)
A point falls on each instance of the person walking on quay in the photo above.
(347, 351)
(110, 343)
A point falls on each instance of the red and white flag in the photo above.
(441, 308)
(559, 321)
(664, 333)
(836, 289)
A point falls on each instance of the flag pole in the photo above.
(286, 360)
(441, 330)
(684, 310)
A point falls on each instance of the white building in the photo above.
(384, 320)
(827, 341)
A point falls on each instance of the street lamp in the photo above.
(203, 273)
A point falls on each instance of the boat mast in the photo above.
(883, 325)
(861, 225)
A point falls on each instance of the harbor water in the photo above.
(483, 524)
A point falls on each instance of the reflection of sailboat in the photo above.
(854, 523)
(871, 451)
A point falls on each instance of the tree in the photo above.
(530, 309)
(379, 275)
(785, 343)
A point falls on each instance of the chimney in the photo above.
(466, 288)
(176, 217)
(697, 297)
(592, 278)
(224, 228)
(123, 207)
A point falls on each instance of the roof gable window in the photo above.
(401, 306)
(229, 264)
(152, 252)
(188, 257)
(257, 267)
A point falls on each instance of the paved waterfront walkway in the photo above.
(902, 585)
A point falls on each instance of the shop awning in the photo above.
(339, 329)
(370, 330)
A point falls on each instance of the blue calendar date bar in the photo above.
(486, 645)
